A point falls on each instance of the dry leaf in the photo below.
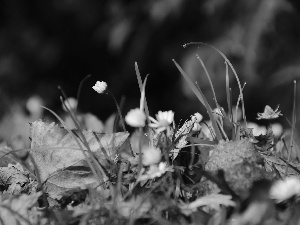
(59, 160)
(14, 179)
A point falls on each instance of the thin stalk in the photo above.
(66, 103)
(232, 68)
(222, 130)
(140, 150)
(228, 93)
(237, 105)
(197, 91)
(209, 80)
(293, 126)
(119, 110)
(138, 75)
(79, 90)
(192, 156)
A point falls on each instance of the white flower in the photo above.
(136, 118)
(100, 86)
(71, 103)
(196, 127)
(156, 171)
(256, 129)
(198, 117)
(162, 121)
(33, 105)
(151, 155)
(277, 129)
(283, 190)
(269, 113)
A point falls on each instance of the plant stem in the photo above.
(119, 110)
(293, 126)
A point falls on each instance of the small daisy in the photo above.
(269, 113)
(277, 129)
(33, 105)
(100, 86)
(256, 129)
(151, 155)
(283, 190)
(136, 118)
(156, 171)
(162, 121)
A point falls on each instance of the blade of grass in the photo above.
(138, 75)
(231, 66)
(118, 110)
(237, 105)
(193, 151)
(222, 130)
(143, 94)
(209, 80)
(228, 93)
(141, 132)
(202, 99)
(214, 94)
(226, 120)
(237, 132)
(118, 117)
(232, 119)
(143, 105)
(293, 126)
(80, 88)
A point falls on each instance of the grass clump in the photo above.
(200, 172)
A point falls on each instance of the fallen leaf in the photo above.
(59, 159)
(14, 179)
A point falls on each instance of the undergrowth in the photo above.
(196, 172)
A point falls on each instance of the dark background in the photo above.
(44, 44)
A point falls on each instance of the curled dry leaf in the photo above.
(59, 160)
(14, 180)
